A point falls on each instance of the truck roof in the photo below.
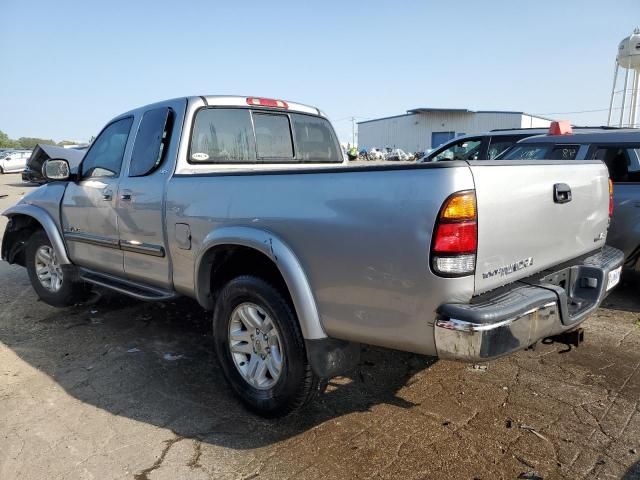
(237, 101)
(260, 102)
(630, 135)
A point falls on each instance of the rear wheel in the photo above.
(52, 281)
(260, 347)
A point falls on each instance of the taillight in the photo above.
(610, 198)
(267, 102)
(455, 240)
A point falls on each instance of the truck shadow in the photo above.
(22, 184)
(154, 363)
(633, 473)
(624, 297)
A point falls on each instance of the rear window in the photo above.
(273, 136)
(222, 135)
(239, 135)
(315, 141)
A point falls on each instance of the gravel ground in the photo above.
(124, 389)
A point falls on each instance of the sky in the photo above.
(67, 67)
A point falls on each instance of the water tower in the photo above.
(628, 59)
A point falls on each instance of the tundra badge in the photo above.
(508, 269)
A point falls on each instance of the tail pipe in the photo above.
(572, 338)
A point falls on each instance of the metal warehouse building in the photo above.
(424, 128)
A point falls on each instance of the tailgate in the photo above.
(523, 228)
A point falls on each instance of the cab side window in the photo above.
(497, 148)
(623, 163)
(104, 158)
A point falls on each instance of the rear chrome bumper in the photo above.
(528, 312)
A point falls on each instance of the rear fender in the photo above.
(283, 257)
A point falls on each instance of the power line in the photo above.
(350, 117)
(579, 111)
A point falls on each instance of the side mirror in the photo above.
(56, 169)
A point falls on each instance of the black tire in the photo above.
(297, 384)
(71, 291)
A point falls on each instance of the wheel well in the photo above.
(18, 231)
(224, 262)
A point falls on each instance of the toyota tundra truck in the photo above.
(246, 205)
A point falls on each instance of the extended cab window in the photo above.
(273, 136)
(467, 149)
(151, 142)
(222, 135)
(315, 140)
(104, 158)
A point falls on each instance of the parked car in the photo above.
(485, 146)
(14, 161)
(418, 156)
(490, 145)
(376, 154)
(212, 197)
(620, 151)
(398, 155)
(41, 153)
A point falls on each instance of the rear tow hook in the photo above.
(572, 338)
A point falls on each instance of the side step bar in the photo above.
(126, 287)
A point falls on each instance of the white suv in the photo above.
(12, 162)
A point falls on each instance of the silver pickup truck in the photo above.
(246, 205)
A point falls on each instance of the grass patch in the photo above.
(637, 323)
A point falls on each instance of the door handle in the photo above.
(561, 193)
(126, 196)
(107, 195)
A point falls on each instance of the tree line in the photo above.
(28, 143)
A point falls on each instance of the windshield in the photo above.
(468, 149)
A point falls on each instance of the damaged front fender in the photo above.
(23, 220)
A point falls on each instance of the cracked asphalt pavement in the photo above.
(119, 389)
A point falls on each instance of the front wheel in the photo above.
(260, 347)
(52, 282)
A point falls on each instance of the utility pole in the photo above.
(353, 131)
